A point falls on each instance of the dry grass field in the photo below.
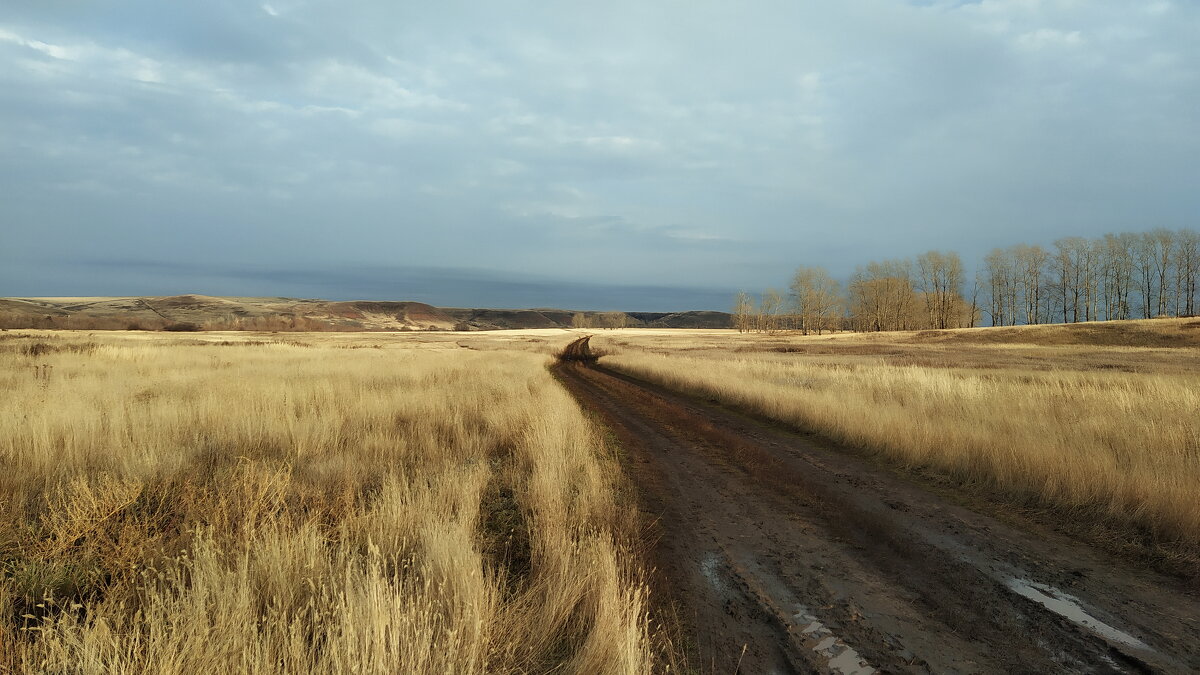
(1106, 437)
(221, 503)
(438, 502)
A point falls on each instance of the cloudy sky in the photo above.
(634, 155)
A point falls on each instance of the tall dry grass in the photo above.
(169, 505)
(1119, 448)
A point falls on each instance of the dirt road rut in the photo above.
(783, 554)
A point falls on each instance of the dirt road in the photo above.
(578, 350)
(784, 554)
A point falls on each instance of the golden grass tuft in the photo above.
(172, 504)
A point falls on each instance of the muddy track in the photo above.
(578, 350)
(783, 554)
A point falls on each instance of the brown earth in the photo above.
(578, 350)
(783, 553)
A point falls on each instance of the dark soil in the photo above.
(781, 553)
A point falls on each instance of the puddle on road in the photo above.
(1049, 597)
(710, 567)
(1068, 606)
(840, 657)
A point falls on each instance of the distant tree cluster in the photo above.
(600, 320)
(1117, 276)
(767, 315)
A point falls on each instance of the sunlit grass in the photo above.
(179, 505)
(1044, 428)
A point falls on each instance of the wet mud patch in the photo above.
(1070, 607)
(839, 657)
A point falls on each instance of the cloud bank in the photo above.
(692, 148)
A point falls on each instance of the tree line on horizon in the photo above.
(1129, 275)
(600, 320)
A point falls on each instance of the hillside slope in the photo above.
(203, 312)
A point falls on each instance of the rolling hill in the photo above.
(203, 312)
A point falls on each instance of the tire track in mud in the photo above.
(783, 554)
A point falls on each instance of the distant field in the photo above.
(309, 503)
(1101, 434)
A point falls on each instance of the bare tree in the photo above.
(1143, 261)
(580, 320)
(1089, 262)
(743, 312)
(770, 307)
(816, 298)
(1000, 269)
(1069, 272)
(1118, 274)
(613, 320)
(1061, 277)
(973, 315)
(940, 277)
(882, 296)
(1162, 246)
(1031, 265)
(1187, 267)
(1108, 275)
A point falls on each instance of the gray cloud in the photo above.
(696, 146)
